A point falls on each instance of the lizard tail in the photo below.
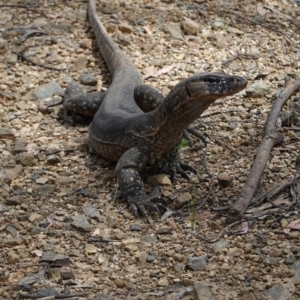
(113, 55)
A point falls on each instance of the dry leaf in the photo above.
(293, 225)
(156, 73)
(245, 228)
(53, 16)
(261, 11)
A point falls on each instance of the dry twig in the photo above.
(270, 139)
(262, 25)
(35, 63)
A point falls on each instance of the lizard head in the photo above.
(214, 85)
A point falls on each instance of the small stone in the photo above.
(67, 275)
(136, 227)
(219, 246)
(159, 179)
(196, 263)
(284, 223)
(80, 63)
(125, 28)
(47, 189)
(42, 180)
(11, 59)
(119, 283)
(123, 40)
(271, 261)
(142, 257)
(182, 199)
(163, 282)
(277, 252)
(10, 173)
(148, 239)
(34, 216)
(164, 230)
(201, 292)
(25, 159)
(112, 222)
(279, 292)
(13, 257)
(174, 30)
(88, 79)
(12, 242)
(14, 200)
(20, 146)
(81, 223)
(225, 180)
(178, 257)
(214, 225)
(178, 267)
(101, 259)
(290, 259)
(151, 258)
(53, 159)
(218, 23)
(48, 90)
(55, 259)
(258, 89)
(190, 26)
(6, 132)
(91, 249)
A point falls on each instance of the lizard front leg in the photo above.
(131, 184)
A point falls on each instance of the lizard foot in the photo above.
(142, 203)
(175, 165)
(192, 129)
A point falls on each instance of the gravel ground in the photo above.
(65, 230)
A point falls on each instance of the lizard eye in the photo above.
(211, 80)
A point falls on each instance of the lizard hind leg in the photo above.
(78, 105)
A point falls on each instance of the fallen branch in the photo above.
(270, 139)
(274, 190)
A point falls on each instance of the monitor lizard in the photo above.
(121, 131)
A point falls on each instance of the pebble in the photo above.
(125, 28)
(119, 283)
(81, 223)
(257, 90)
(163, 282)
(25, 159)
(182, 199)
(88, 79)
(201, 292)
(159, 179)
(136, 227)
(174, 30)
(196, 263)
(219, 246)
(47, 90)
(190, 26)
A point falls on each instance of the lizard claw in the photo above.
(175, 165)
(143, 203)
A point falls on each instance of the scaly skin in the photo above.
(122, 132)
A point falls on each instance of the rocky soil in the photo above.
(65, 231)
